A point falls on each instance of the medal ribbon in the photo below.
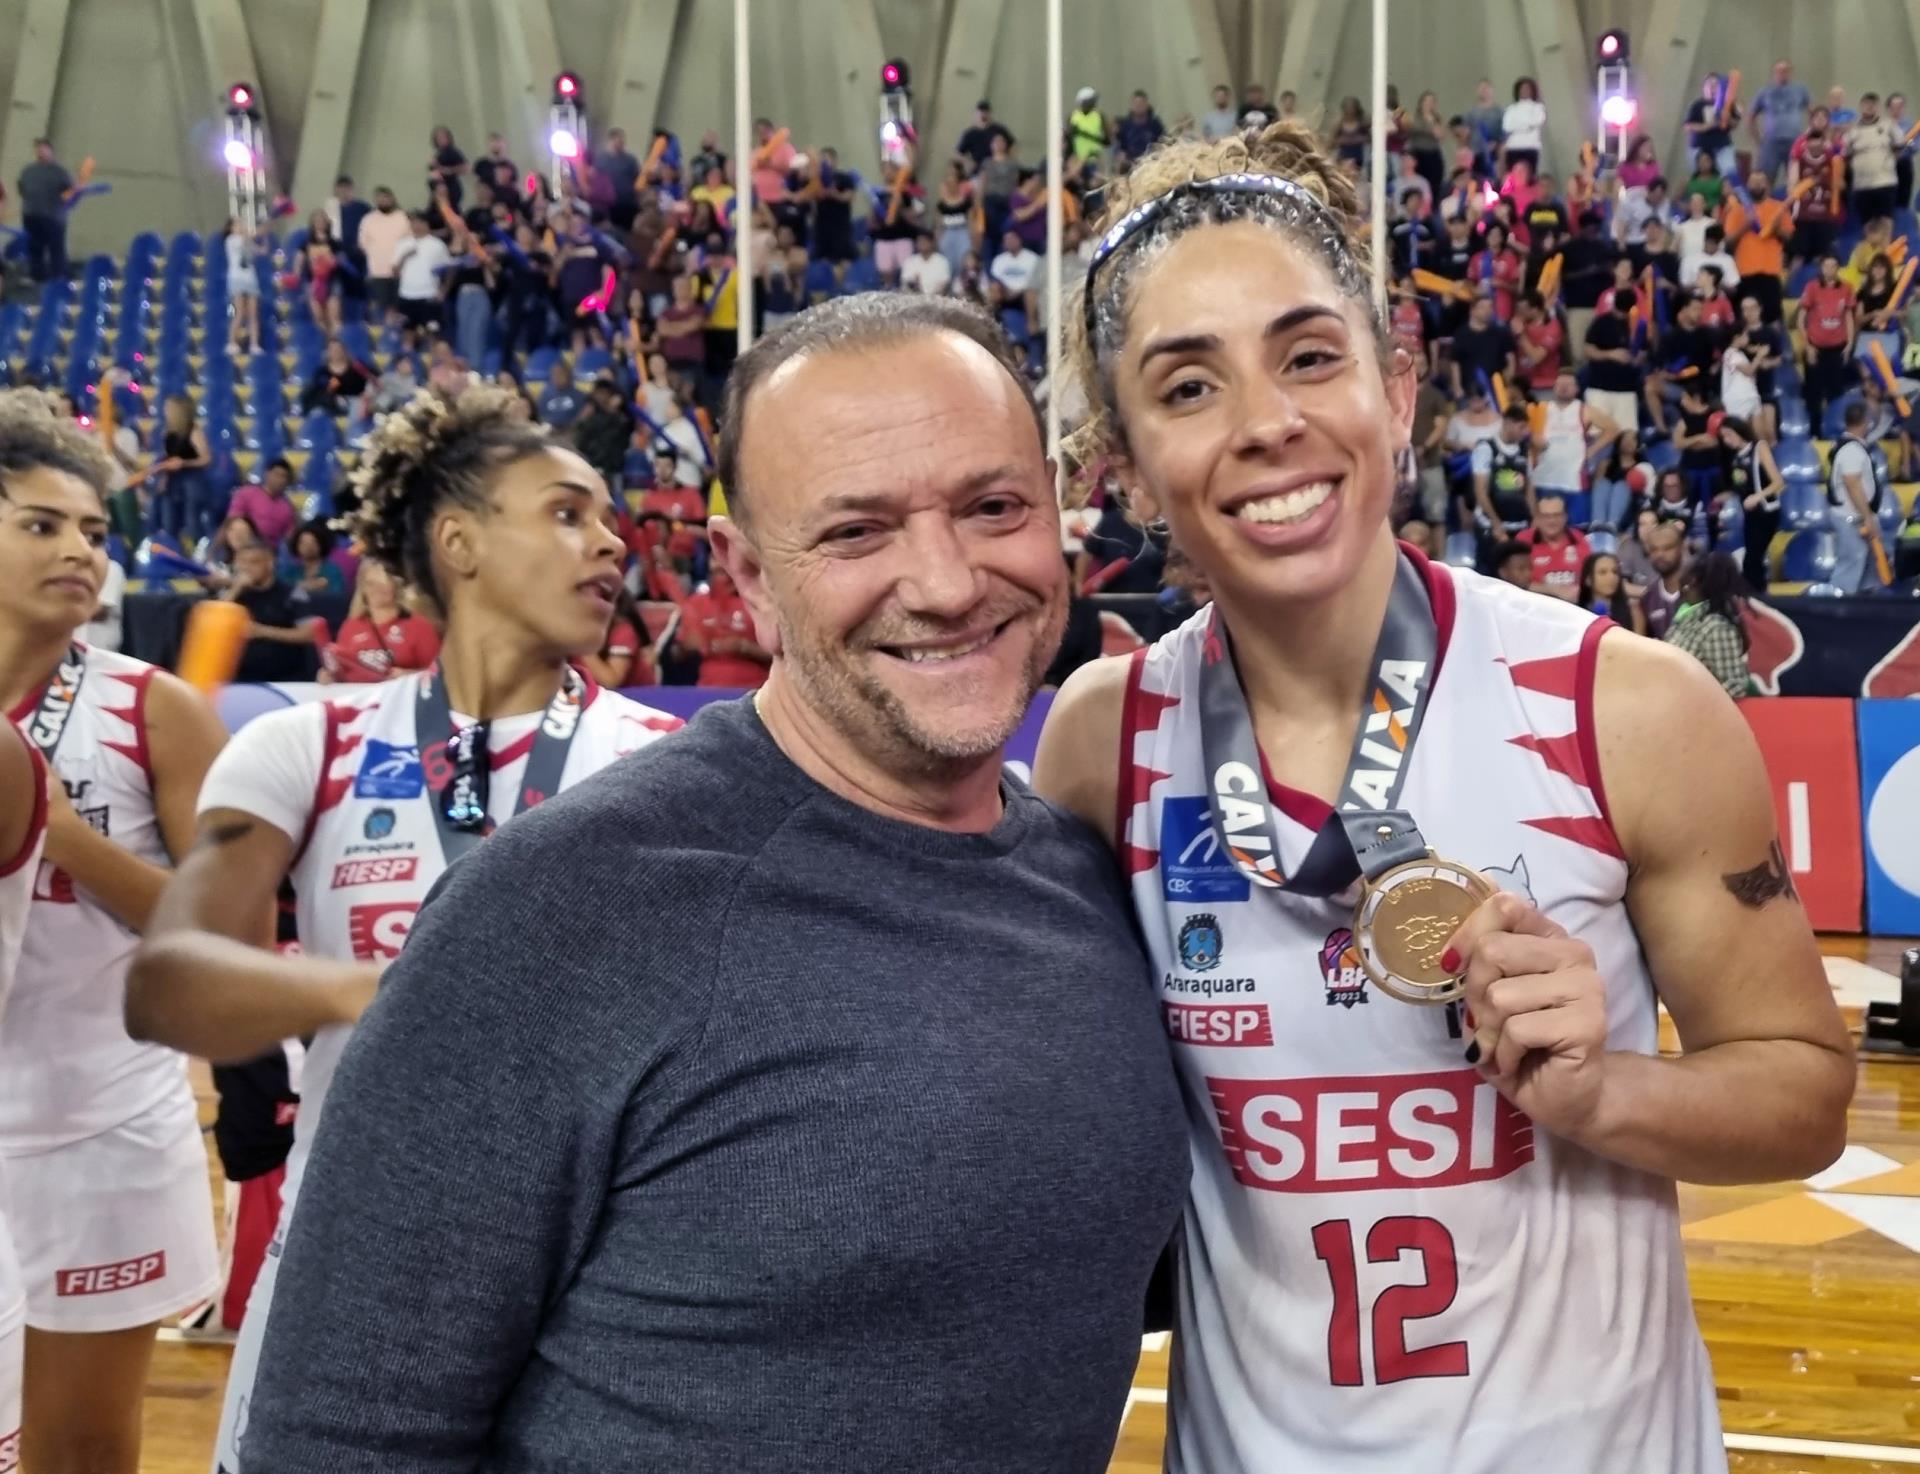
(48, 724)
(1367, 834)
(460, 804)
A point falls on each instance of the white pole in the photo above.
(1380, 161)
(1056, 305)
(743, 173)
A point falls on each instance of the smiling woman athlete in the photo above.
(366, 798)
(100, 1139)
(1418, 1237)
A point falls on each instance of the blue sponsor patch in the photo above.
(390, 772)
(1193, 866)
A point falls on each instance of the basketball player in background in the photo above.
(364, 800)
(1428, 1238)
(23, 831)
(99, 1136)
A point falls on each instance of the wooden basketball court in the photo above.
(1808, 1295)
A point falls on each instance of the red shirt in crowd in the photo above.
(676, 503)
(624, 640)
(366, 651)
(1556, 565)
(1716, 312)
(1829, 312)
(1544, 337)
(717, 614)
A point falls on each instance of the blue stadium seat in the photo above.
(540, 363)
(1808, 557)
(1460, 549)
(1798, 460)
(1794, 423)
(590, 362)
(317, 433)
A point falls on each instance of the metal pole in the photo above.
(1380, 160)
(1056, 307)
(743, 202)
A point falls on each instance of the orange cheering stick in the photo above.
(1800, 191)
(1549, 283)
(210, 652)
(764, 154)
(1727, 94)
(893, 201)
(1537, 419)
(654, 155)
(1888, 380)
(1441, 286)
(1500, 393)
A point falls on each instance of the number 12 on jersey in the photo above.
(1393, 1307)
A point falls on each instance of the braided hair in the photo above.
(432, 453)
(36, 433)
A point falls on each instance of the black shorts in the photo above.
(383, 292)
(421, 312)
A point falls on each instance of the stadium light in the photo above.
(1612, 48)
(237, 155)
(894, 76)
(566, 87)
(240, 96)
(1619, 111)
(563, 144)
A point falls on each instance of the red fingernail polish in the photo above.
(1450, 961)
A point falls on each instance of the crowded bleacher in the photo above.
(1725, 344)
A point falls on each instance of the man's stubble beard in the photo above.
(865, 710)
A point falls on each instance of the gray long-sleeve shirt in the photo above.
(709, 1122)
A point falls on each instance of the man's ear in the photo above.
(1141, 503)
(735, 552)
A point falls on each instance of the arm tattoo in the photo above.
(224, 834)
(1754, 888)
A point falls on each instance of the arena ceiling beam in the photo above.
(530, 49)
(966, 65)
(29, 111)
(640, 69)
(861, 53)
(1210, 47)
(323, 128)
(1306, 54)
(1668, 65)
(1557, 46)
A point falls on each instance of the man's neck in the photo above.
(28, 656)
(1671, 581)
(963, 800)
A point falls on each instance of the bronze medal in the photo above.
(1404, 920)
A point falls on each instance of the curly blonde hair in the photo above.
(1328, 219)
(36, 432)
(429, 453)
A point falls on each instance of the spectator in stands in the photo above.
(926, 271)
(682, 434)
(1476, 421)
(1015, 274)
(604, 430)
(832, 237)
(1709, 624)
(1222, 118)
(710, 157)
(446, 166)
(561, 402)
(1559, 551)
(239, 247)
(716, 623)
(1660, 254)
(954, 206)
(1636, 565)
(1815, 170)
(1499, 272)
(1503, 495)
(1086, 126)
(971, 283)
(345, 213)
(1139, 130)
(420, 260)
(1879, 321)
(1642, 164)
(994, 183)
(1753, 478)
(1512, 562)
(266, 509)
(1612, 376)
(977, 142)
(45, 185)
(1842, 116)
(1873, 149)
(337, 381)
(1828, 323)
(314, 571)
(620, 171)
(1482, 349)
(1764, 344)
(773, 156)
(1709, 131)
(278, 639)
(1431, 412)
(1351, 134)
(1716, 310)
(497, 169)
(1666, 549)
(385, 230)
(1697, 441)
(218, 552)
(1603, 590)
(1712, 253)
(1689, 354)
(1760, 228)
(1614, 484)
(380, 637)
(1539, 341)
(1903, 162)
(622, 659)
(782, 289)
(682, 328)
(1523, 127)
(1854, 498)
(1779, 117)
(182, 502)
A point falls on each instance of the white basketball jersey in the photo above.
(372, 849)
(68, 1069)
(17, 875)
(1386, 1265)
(1563, 448)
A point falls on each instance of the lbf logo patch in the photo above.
(1193, 866)
(102, 1279)
(388, 771)
(378, 932)
(1340, 969)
